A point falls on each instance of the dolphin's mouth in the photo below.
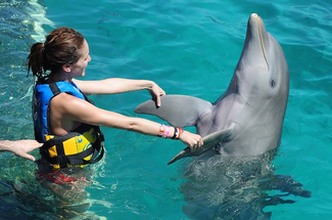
(258, 22)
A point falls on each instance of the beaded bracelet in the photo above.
(176, 133)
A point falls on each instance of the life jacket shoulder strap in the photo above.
(55, 89)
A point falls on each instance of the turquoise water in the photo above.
(187, 48)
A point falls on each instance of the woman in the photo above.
(61, 106)
(64, 117)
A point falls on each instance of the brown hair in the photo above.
(60, 48)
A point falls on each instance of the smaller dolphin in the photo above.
(247, 119)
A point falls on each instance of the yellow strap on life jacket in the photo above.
(73, 149)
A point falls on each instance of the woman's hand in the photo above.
(156, 92)
(194, 141)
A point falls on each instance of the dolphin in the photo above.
(247, 119)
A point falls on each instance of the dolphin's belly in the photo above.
(250, 142)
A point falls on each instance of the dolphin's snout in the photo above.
(254, 17)
(257, 31)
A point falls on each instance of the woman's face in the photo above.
(78, 68)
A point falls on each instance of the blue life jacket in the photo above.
(83, 145)
(42, 97)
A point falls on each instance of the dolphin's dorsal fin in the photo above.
(210, 141)
(177, 110)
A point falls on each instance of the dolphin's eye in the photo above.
(273, 83)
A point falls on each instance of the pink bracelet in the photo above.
(164, 131)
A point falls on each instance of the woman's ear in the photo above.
(67, 68)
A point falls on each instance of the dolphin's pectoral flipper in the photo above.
(210, 141)
(178, 110)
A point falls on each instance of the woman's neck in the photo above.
(59, 76)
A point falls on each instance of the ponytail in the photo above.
(36, 60)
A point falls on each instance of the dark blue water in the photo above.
(187, 48)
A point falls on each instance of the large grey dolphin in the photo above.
(248, 118)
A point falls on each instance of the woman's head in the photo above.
(62, 47)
